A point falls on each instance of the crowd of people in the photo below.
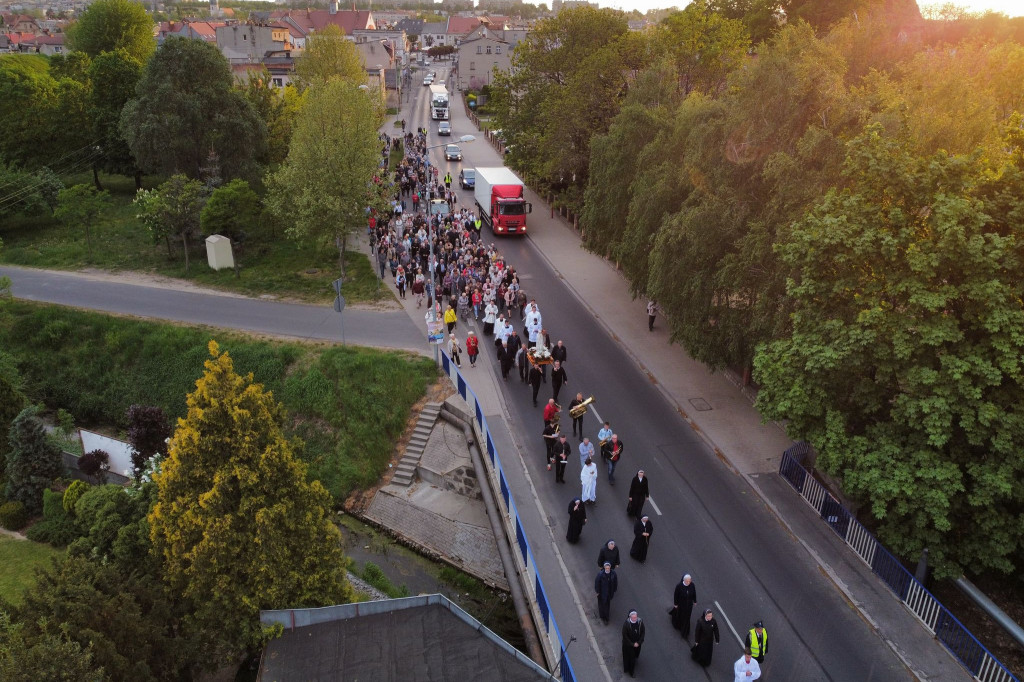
(442, 259)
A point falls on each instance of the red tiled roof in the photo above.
(460, 26)
(311, 20)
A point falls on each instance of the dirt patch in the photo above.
(1008, 593)
(358, 502)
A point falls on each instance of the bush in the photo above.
(13, 516)
(58, 527)
(373, 574)
(72, 495)
(95, 464)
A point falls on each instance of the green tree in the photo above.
(321, 190)
(114, 76)
(233, 210)
(28, 193)
(33, 461)
(705, 46)
(111, 25)
(329, 55)
(578, 61)
(904, 365)
(80, 206)
(615, 156)
(53, 657)
(114, 527)
(237, 524)
(186, 109)
(277, 108)
(172, 211)
(124, 619)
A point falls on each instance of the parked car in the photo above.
(453, 152)
(467, 178)
(429, 80)
(444, 128)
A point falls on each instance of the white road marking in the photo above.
(594, 410)
(735, 634)
(651, 500)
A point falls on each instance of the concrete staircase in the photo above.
(405, 472)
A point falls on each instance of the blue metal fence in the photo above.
(525, 554)
(937, 618)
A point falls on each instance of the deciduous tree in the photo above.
(185, 108)
(80, 206)
(328, 55)
(233, 211)
(173, 210)
(237, 524)
(321, 191)
(114, 76)
(111, 25)
(148, 432)
(904, 363)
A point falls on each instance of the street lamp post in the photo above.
(465, 139)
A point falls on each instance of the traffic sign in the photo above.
(337, 286)
(339, 303)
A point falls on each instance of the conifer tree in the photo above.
(237, 525)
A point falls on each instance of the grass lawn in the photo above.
(348, 405)
(268, 264)
(20, 558)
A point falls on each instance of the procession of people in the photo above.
(444, 261)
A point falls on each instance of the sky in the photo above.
(1012, 8)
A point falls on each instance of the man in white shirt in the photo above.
(746, 668)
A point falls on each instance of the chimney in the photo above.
(333, 7)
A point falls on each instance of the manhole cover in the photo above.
(700, 404)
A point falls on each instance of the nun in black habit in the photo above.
(642, 531)
(577, 517)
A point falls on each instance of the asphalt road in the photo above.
(361, 327)
(707, 521)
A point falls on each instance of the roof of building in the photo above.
(312, 20)
(386, 640)
(434, 28)
(460, 26)
(413, 27)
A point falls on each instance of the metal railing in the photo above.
(964, 646)
(522, 551)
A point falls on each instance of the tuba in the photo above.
(581, 409)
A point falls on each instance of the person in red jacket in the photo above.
(472, 348)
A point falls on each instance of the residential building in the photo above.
(479, 55)
(252, 42)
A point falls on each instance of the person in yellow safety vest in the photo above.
(757, 641)
(448, 180)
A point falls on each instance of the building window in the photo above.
(488, 49)
(245, 37)
(472, 66)
(279, 82)
(479, 49)
(497, 49)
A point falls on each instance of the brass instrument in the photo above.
(581, 409)
(557, 419)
